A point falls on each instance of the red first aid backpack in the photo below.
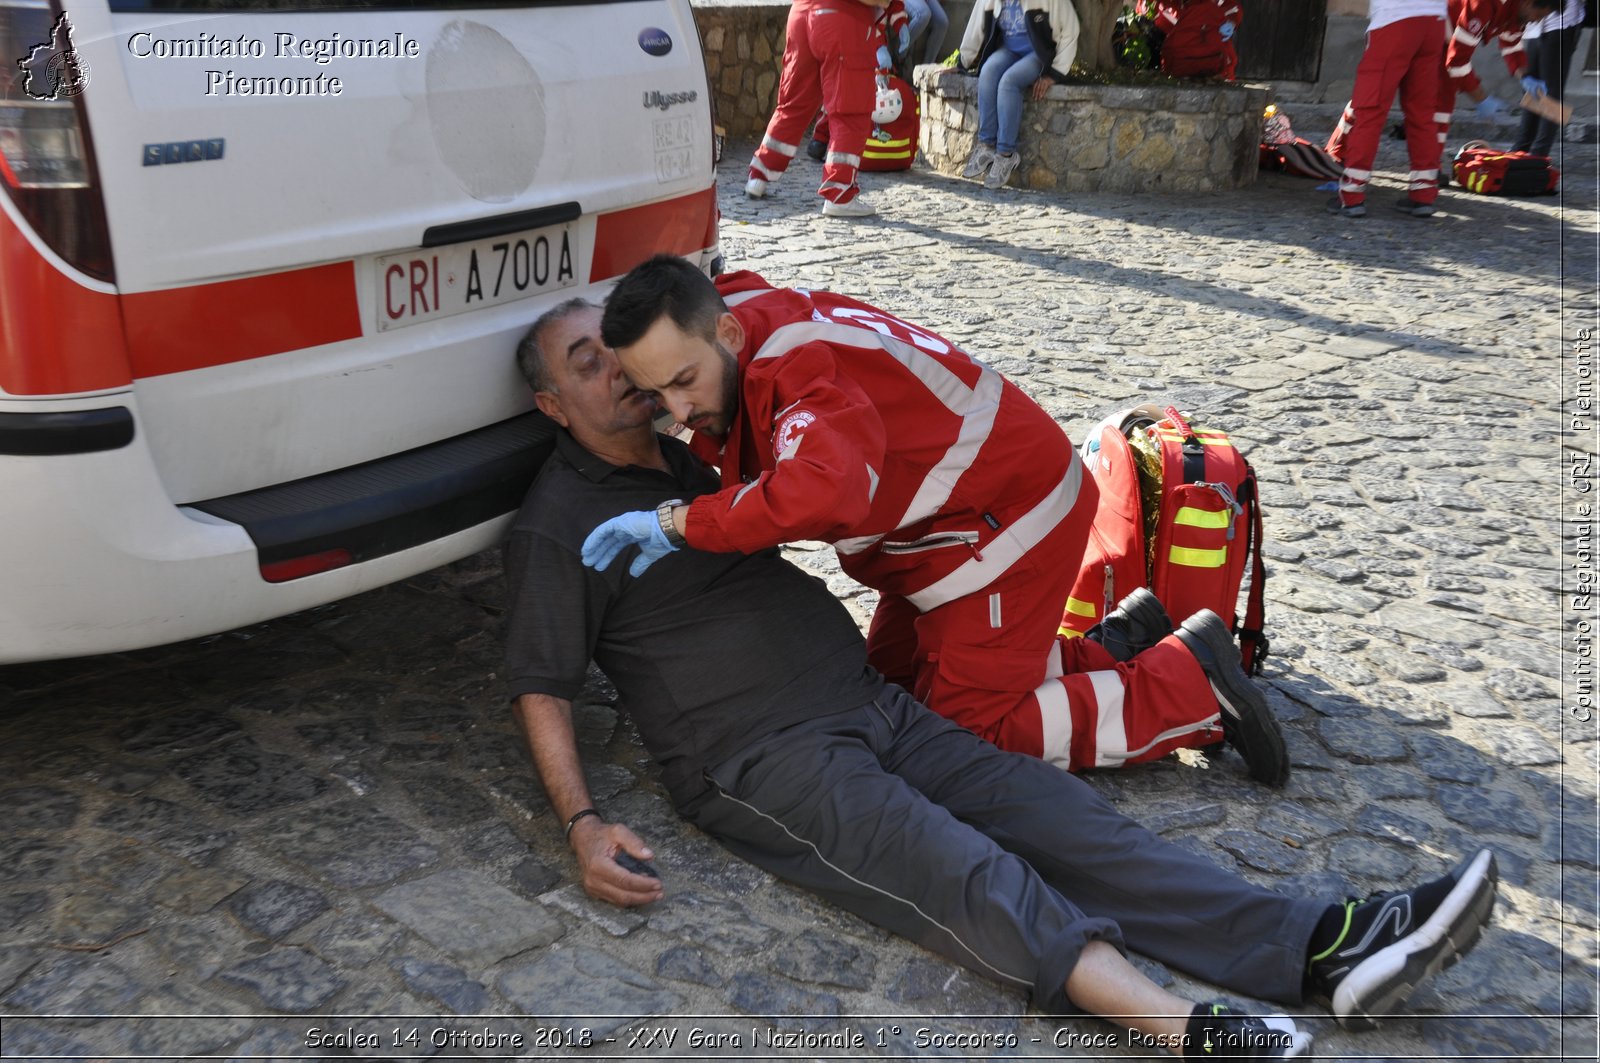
(1178, 513)
(1490, 172)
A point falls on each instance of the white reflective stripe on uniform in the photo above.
(1441, 116)
(1459, 71)
(842, 158)
(779, 146)
(1423, 175)
(1352, 186)
(1053, 668)
(1464, 37)
(740, 297)
(826, 185)
(1354, 174)
(770, 175)
(746, 489)
(1055, 722)
(1007, 548)
(976, 406)
(873, 480)
(994, 610)
(793, 448)
(1110, 730)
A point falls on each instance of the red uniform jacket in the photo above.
(929, 472)
(1474, 22)
(1199, 37)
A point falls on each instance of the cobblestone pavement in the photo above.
(284, 829)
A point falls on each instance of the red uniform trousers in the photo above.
(993, 662)
(829, 60)
(1407, 56)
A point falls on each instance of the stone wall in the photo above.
(743, 43)
(1099, 138)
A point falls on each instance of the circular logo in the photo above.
(66, 75)
(789, 430)
(655, 41)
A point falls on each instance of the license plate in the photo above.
(428, 284)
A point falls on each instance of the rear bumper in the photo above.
(95, 558)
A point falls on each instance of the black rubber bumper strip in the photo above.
(77, 432)
(397, 502)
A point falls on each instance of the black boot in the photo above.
(1133, 626)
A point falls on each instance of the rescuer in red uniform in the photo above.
(831, 56)
(940, 484)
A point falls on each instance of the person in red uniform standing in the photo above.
(940, 484)
(1405, 54)
(1198, 39)
(831, 56)
(1472, 23)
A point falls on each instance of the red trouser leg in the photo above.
(1388, 57)
(1419, 99)
(799, 96)
(992, 663)
(846, 47)
(1445, 104)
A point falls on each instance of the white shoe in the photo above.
(978, 161)
(1001, 170)
(755, 188)
(855, 208)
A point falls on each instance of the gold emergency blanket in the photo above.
(1147, 459)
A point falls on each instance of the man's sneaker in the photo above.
(1355, 210)
(854, 208)
(1216, 1031)
(1407, 205)
(1390, 942)
(978, 161)
(1133, 626)
(1247, 722)
(755, 188)
(817, 150)
(1001, 169)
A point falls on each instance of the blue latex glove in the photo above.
(1534, 87)
(883, 58)
(1490, 107)
(640, 528)
(903, 39)
(1225, 31)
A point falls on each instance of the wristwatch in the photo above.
(664, 516)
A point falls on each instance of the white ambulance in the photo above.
(263, 267)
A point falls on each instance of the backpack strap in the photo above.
(1253, 642)
(1194, 452)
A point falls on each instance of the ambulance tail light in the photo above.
(47, 166)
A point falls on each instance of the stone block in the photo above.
(470, 917)
(586, 985)
(1154, 156)
(743, 48)
(713, 40)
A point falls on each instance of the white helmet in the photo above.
(888, 105)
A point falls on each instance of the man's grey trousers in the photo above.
(998, 861)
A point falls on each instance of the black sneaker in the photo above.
(1135, 625)
(1216, 1031)
(1336, 206)
(1392, 941)
(1407, 205)
(1247, 723)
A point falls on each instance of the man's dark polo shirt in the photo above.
(708, 651)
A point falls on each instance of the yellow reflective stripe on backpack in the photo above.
(1195, 517)
(1184, 555)
(1210, 439)
(1079, 607)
